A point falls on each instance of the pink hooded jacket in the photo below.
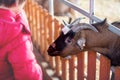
(17, 61)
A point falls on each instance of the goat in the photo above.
(77, 37)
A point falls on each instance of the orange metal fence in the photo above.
(45, 29)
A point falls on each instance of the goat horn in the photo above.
(82, 26)
(76, 21)
(64, 23)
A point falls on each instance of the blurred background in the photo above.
(109, 9)
(102, 8)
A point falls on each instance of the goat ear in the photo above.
(104, 21)
(100, 23)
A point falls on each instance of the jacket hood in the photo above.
(11, 26)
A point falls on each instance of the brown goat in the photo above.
(84, 37)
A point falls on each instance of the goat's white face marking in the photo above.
(81, 43)
(65, 30)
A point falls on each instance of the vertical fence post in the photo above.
(57, 28)
(32, 21)
(45, 35)
(51, 37)
(51, 7)
(91, 9)
(40, 22)
(104, 68)
(117, 73)
(35, 24)
(91, 65)
(37, 27)
(65, 68)
(80, 66)
(72, 67)
(30, 17)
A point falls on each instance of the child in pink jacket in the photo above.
(17, 61)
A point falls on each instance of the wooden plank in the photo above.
(45, 35)
(72, 65)
(104, 68)
(50, 30)
(58, 67)
(43, 32)
(30, 18)
(57, 28)
(37, 26)
(41, 25)
(117, 73)
(57, 59)
(65, 73)
(80, 66)
(35, 23)
(91, 65)
(50, 39)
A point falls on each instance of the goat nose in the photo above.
(53, 45)
(51, 48)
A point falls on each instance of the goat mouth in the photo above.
(55, 53)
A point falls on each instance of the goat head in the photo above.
(68, 43)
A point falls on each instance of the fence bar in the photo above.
(51, 7)
(57, 27)
(45, 35)
(91, 9)
(51, 36)
(91, 65)
(72, 73)
(36, 21)
(41, 28)
(104, 68)
(65, 69)
(80, 67)
(58, 66)
(117, 73)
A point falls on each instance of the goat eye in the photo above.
(68, 40)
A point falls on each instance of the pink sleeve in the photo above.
(24, 63)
